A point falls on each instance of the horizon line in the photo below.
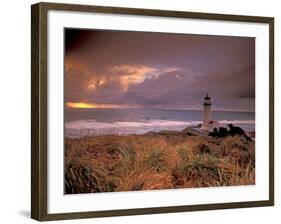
(151, 108)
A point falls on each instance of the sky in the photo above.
(128, 69)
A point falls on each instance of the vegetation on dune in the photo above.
(157, 161)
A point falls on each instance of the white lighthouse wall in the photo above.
(206, 114)
(206, 117)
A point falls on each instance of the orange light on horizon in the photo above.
(95, 105)
(81, 105)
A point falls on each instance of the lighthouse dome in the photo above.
(207, 100)
(207, 97)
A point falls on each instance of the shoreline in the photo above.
(87, 128)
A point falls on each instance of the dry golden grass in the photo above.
(157, 161)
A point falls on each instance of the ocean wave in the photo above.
(95, 124)
(83, 128)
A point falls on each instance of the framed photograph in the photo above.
(138, 111)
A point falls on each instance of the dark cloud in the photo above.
(159, 69)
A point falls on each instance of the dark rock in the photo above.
(231, 131)
(219, 133)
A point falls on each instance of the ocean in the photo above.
(93, 122)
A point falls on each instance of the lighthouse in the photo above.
(207, 116)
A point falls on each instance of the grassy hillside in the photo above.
(157, 161)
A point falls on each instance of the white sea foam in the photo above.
(92, 128)
(82, 128)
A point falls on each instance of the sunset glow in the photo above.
(131, 75)
(120, 69)
(94, 105)
(80, 105)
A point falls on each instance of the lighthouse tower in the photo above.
(207, 113)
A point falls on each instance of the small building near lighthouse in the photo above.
(208, 124)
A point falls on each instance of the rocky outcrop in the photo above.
(232, 130)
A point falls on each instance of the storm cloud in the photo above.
(159, 70)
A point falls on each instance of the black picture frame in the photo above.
(39, 110)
